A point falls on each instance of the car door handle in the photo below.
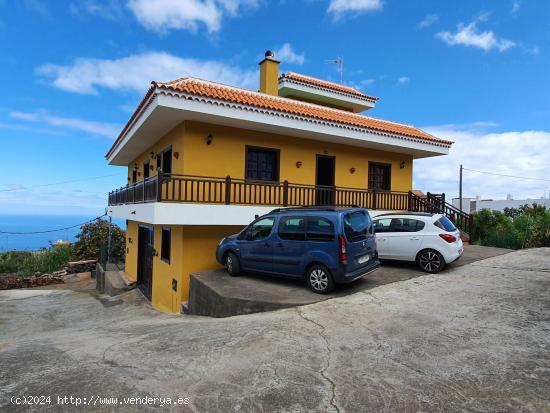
(414, 238)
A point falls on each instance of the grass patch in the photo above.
(26, 263)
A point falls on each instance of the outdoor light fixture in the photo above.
(402, 165)
(209, 139)
(151, 167)
(352, 170)
(176, 155)
(298, 164)
(130, 240)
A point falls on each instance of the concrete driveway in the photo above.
(475, 338)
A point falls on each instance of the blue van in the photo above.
(326, 246)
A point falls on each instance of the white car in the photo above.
(430, 240)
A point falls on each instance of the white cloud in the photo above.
(110, 10)
(286, 54)
(523, 153)
(135, 72)
(403, 79)
(340, 7)
(516, 5)
(469, 35)
(108, 130)
(164, 15)
(427, 21)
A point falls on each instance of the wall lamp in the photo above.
(209, 139)
(299, 164)
(402, 165)
(176, 155)
(352, 170)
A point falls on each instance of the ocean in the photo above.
(33, 223)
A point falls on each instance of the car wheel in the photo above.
(319, 279)
(232, 264)
(430, 261)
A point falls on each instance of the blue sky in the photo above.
(472, 71)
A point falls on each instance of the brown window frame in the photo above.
(277, 171)
(162, 244)
(388, 165)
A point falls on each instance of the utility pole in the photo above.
(460, 189)
(109, 241)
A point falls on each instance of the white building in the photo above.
(470, 205)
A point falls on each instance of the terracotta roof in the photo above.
(206, 89)
(312, 81)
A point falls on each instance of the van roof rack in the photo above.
(314, 208)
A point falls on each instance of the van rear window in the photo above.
(356, 226)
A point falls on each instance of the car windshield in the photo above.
(445, 224)
(356, 226)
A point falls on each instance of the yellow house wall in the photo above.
(164, 298)
(130, 265)
(226, 156)
(199, 250)
(174, 138)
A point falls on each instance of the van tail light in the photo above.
(448, 237)
(342, 249)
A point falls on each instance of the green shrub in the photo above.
(523, 227)
(26, 263)
(93, 239)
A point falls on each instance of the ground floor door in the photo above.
(145, 261)
(324, 195)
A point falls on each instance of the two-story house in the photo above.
(204, 158)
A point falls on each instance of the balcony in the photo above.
(177, 188)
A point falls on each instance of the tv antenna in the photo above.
(339, 62)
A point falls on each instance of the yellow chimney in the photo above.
(269, 74)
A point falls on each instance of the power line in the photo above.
(508, 176)
(59, 183)
(52, 230)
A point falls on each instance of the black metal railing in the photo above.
(231, 191)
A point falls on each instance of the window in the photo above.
(262, 164)
(382, 225)
(379, 176)
(445, 224)
(259, 230)
(167, 161)
(319, 229)
(165, 244)
(145, 170)
(398, 225)
(292, 228)
(356, 226)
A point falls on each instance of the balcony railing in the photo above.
(232, 191)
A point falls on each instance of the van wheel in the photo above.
(232, 264)
(319, 279)
(430, 261)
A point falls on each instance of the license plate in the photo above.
(363, 259)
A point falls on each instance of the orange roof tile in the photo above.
(308, 80)
(198, 87)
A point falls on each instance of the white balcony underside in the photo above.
(168, 213)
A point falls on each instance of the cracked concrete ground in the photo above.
(474, 338)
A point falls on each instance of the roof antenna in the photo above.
(339, 61)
